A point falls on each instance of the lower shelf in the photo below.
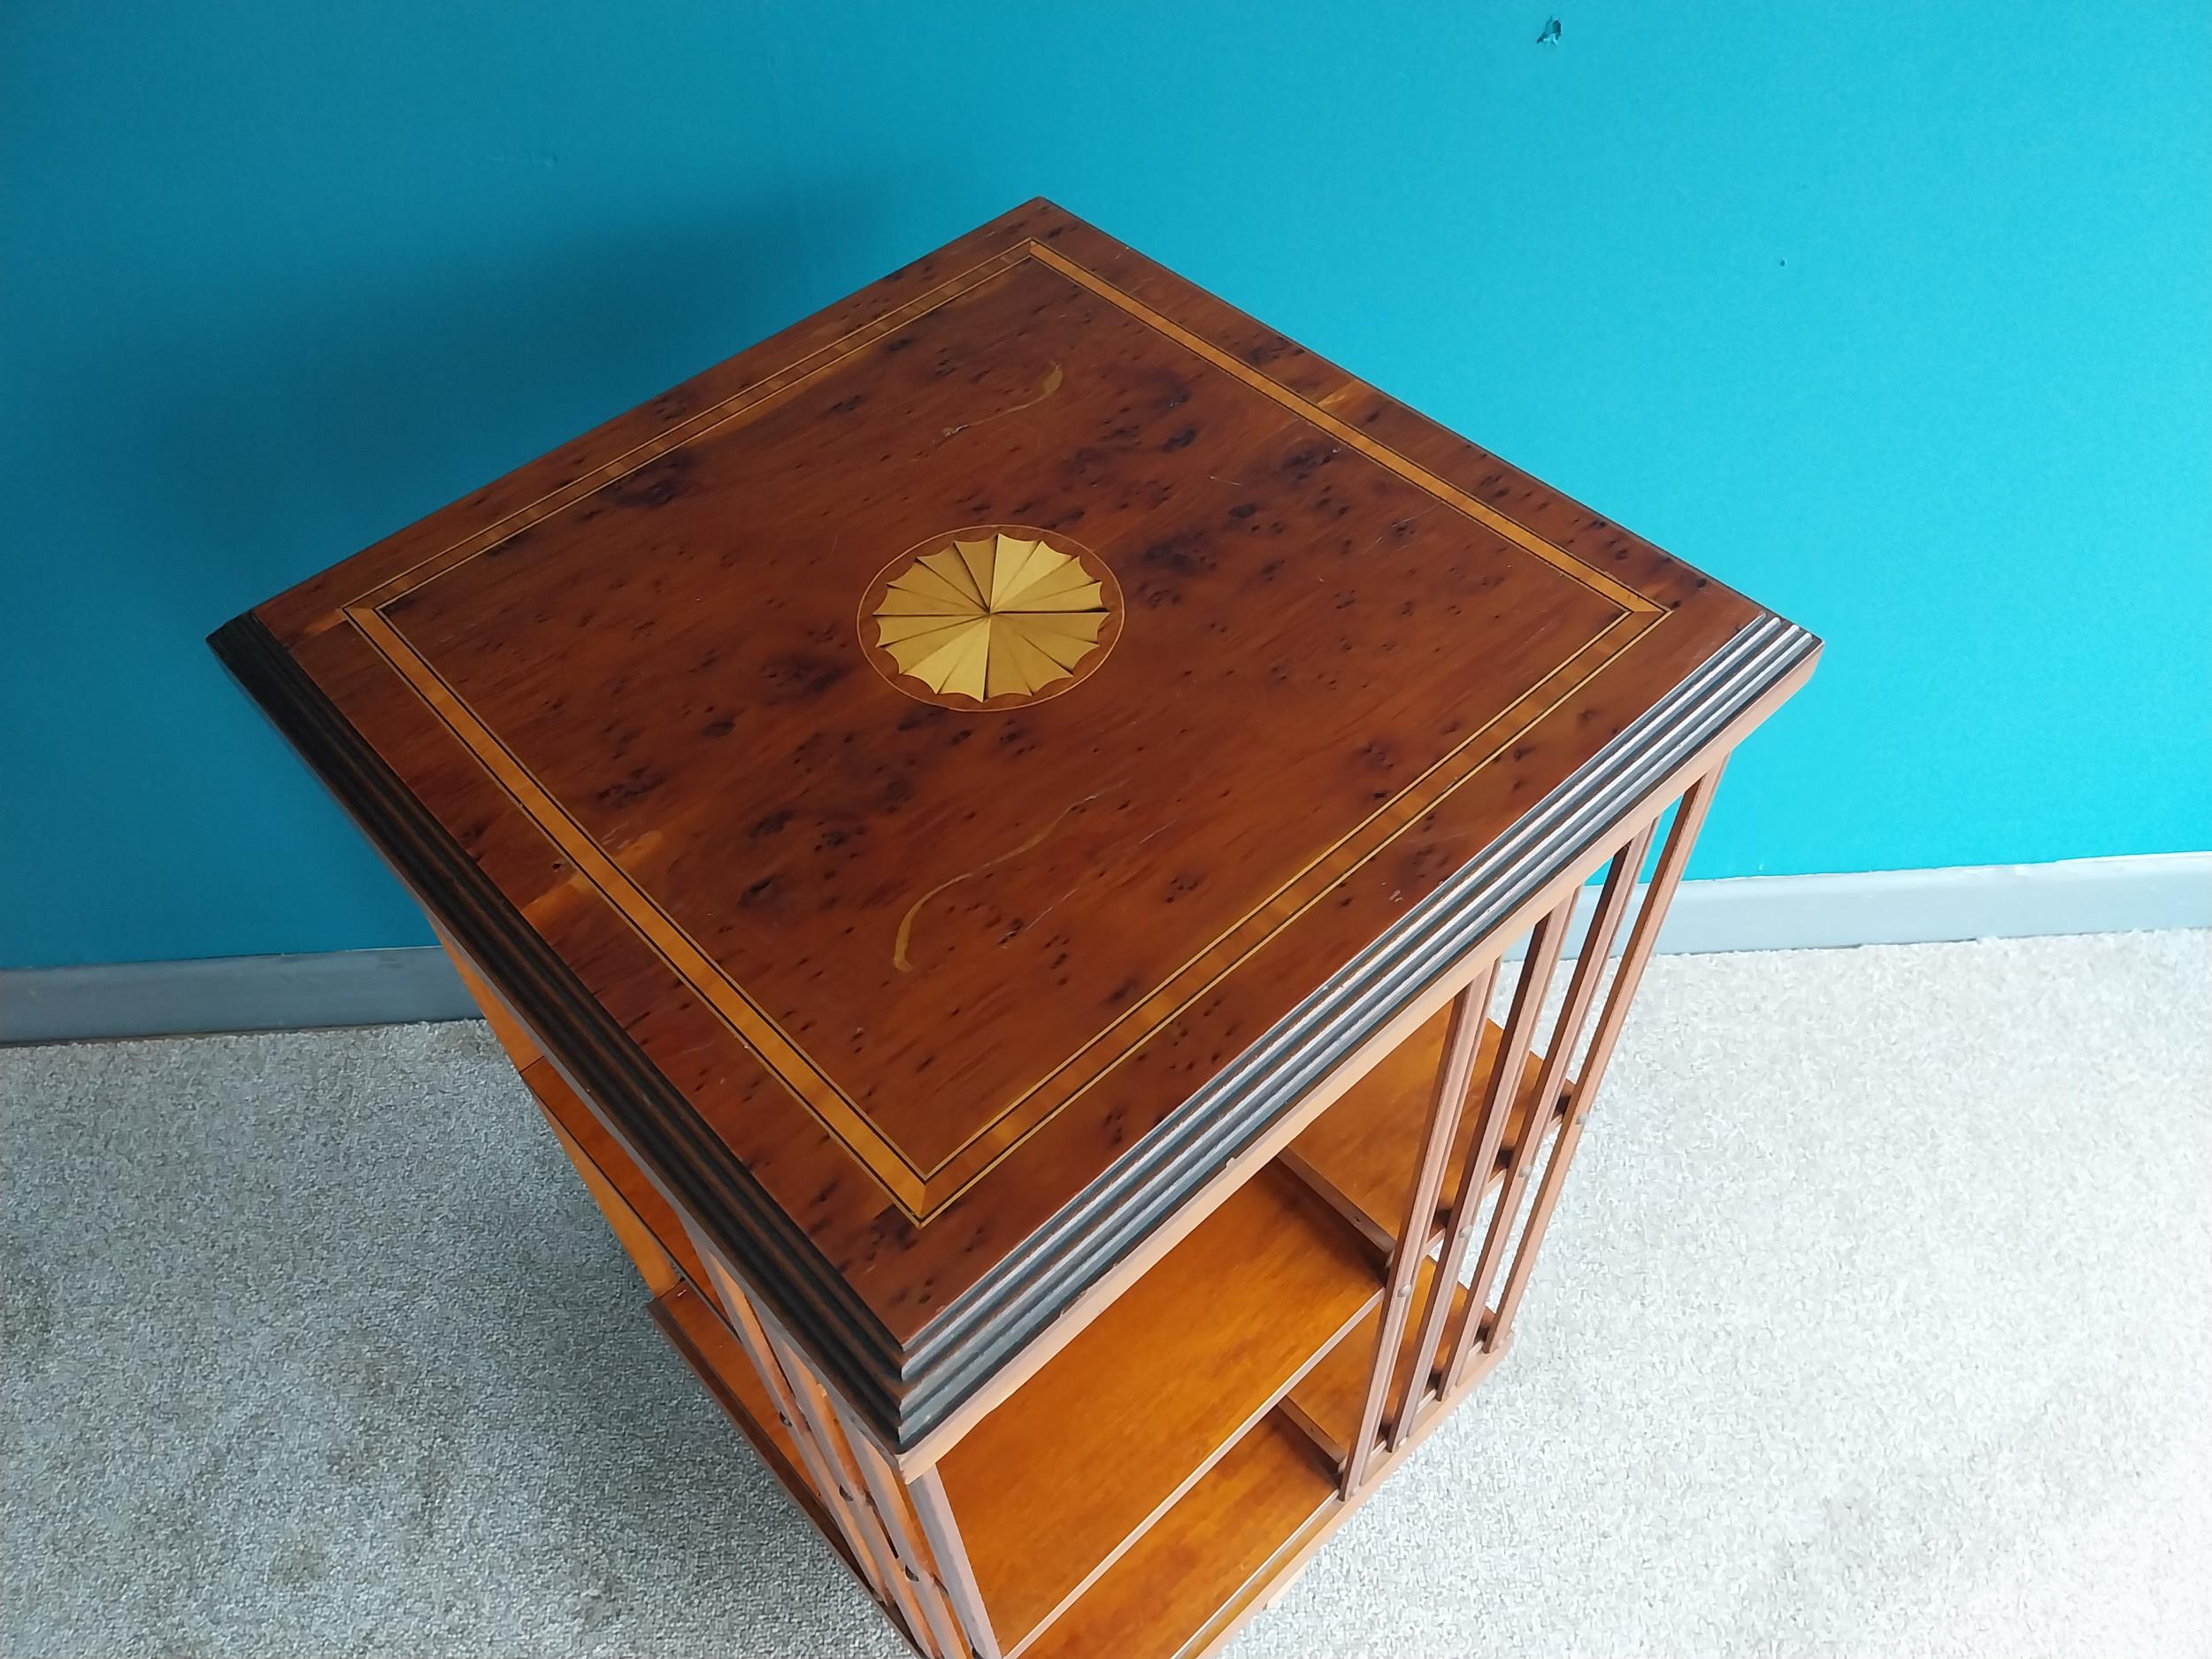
(1332, 1394)
(1237, 1538)
(1073, 1469)
(1203, 1564)
(1166, 1472)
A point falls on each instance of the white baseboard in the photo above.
(1919, 907)
(1885, 907)
(289, 993)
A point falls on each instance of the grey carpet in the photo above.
(1877, 1320)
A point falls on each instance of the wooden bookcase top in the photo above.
(943, 779)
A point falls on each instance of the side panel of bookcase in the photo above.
(896, 1526)
(1503, 1116)
(846, 1487)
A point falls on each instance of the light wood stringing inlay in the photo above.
(921, 1192)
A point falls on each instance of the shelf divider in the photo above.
(1062, 1478)
(1360, 1154)
(1203, 1564)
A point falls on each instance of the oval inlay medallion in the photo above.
(993, 616)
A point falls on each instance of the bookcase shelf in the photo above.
(1131, 1479)
(1354, 1154)
(1206, 1558)
(1108, 1434)
(988, 1082)
(1184, 1450)
(1330, 1395)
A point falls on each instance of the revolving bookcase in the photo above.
(994, 825)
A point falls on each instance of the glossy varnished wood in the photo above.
(1138, 1406)
(1551, 1087)
(1355, 1151)
(990, 823)
(1332, 1395)
(1491, 1112)
(879, 987)
(1208, 1554)
(1454, 1075)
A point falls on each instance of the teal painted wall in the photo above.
(1897, 316)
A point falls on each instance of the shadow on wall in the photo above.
(462, 371)
(266, 424)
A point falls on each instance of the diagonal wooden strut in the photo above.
(1689, 817)
(1497, 1106)
(1551, 1087)
(1448, 1099)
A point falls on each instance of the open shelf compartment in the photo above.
(1205, 1561)
(1360, 1152)
(1106, 1476)
(1066, 1473)
(1110, 1441)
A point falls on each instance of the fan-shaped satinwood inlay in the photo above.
(996, 617)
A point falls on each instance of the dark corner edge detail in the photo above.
(804, 1290)
(976, 1334)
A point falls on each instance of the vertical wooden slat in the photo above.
(1551, 1079)
(1461, 1042)
(1689, 817)
(897, 1509)
(752, 1336)
(855, 1508)
(737, 1312)
(1496, 1108)
(933, 1510)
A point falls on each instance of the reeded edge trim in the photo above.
(582, 1036)
(959, 1351)
(903, 1393)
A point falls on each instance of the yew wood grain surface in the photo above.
(880, 986)
(953, 921)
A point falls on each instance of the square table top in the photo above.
(911, 773)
